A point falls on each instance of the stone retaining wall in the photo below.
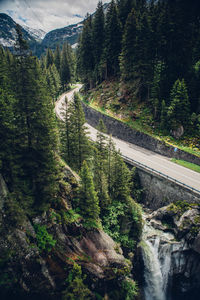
(125, 133)
(158, 191)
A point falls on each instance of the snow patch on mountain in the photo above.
(37, 34)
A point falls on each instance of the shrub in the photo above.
(45, 241)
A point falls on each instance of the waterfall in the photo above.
(157, 248)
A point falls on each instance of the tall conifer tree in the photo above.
(88, 200)
(98, 36)
(112, 40)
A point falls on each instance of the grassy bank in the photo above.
(107, 98)
(186, 164)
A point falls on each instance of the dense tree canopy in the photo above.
(148, 46)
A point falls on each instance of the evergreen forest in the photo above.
(148, 53)
(73, 214)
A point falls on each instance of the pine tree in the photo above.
(112, 41)
(57, 58)
(54, 81)
(7, 136)
(111, 150)
(35, 134)
(76, 289)
(65, 74)
(88, 200)
(72, 62)
(76, 146)
(127, 60)
(82, 151)
(136, 190)
(100, 164)
(124, 7)
(98, 36)
(85, 54)
(163, 117)
(179, 109)
(121, 179)
(156, 89)
(49, 58)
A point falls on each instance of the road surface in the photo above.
(150, 159)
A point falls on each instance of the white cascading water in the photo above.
(157, 248)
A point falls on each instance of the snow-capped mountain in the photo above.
(8, 32)
(38, 40)
(37, 34)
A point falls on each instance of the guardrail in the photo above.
(134, 162)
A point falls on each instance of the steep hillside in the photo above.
(37, 34)
(59, 36)
(8, 32)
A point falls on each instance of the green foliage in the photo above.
(100, 159)
(65, 75)
(187, 164)
(136, 189)
(30, 141)
(6, 278)
(85, 54)
(75, 144)
(179, 109)
(155, 42)
(130, 289)
(70, 216)
(121, 176)
(163, 117)
(113, 221)
(180, 207)
(49, 58)
(45, 241)
(98, 36)
(158, 106)
(112, 44)
(76, 289)
(15, 215)
(88, 200)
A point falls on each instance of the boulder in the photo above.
(178, 132)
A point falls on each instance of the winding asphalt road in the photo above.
(150, 159)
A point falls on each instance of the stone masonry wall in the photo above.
(124, 132)
(158, 191)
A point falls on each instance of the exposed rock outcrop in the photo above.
(36, 257)
(183, 221)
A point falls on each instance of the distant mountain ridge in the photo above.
(37, 39)
(8, 32)
(68, 34)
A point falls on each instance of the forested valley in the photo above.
(73, 219)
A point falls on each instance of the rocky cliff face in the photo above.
(36, 257)
(174, 240)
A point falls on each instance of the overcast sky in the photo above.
(48, 14)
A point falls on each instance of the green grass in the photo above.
(142, 123)
(186, 164)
